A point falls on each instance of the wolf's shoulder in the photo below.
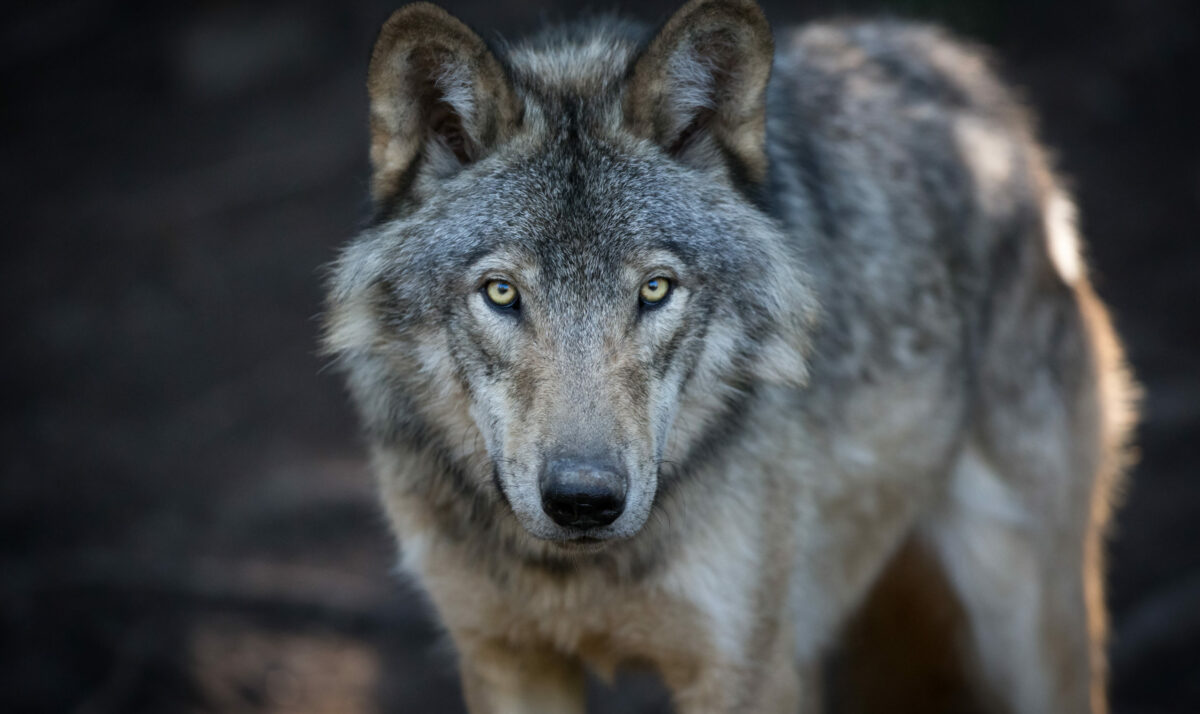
(901, 144)
(906, 66)
(905, 111)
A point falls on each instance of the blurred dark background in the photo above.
(186, 521)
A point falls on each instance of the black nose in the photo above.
(582, 494)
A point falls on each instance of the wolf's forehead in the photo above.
(577, 59)
(583, 220)
(572, 252)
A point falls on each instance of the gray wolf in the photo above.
(668, 344)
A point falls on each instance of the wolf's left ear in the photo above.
(437, 93)
(699, 88)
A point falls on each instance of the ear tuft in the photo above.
(436, 92)
(699, 89)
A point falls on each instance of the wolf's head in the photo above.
(570, 284)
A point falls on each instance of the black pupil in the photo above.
(502, 288)
(653, 285)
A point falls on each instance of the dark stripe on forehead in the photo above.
(684, 250)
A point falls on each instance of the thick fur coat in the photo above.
(878, 336)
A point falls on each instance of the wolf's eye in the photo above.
(500, 293)
(655, 290)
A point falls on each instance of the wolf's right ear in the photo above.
(699, 88)
(437, 93)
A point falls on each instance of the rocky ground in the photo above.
(186, 521)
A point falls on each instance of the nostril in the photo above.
(582, 495)
(582, 509)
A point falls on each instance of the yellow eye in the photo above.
(501, 293)
(655, 290)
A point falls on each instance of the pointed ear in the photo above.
(699, 89)
(437, 94)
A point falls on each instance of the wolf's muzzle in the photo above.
(582, 494)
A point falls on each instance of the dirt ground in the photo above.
(186, 520)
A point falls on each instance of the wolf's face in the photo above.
(567, 296)
(573, 335)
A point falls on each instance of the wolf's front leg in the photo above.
(501, 680)
(768, 681)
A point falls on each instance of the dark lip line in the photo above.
(582, 545)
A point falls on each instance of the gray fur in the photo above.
(843, 335)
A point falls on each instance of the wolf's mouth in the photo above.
(583, 544)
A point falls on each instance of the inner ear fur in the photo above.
(434, 87)
(704, 76)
